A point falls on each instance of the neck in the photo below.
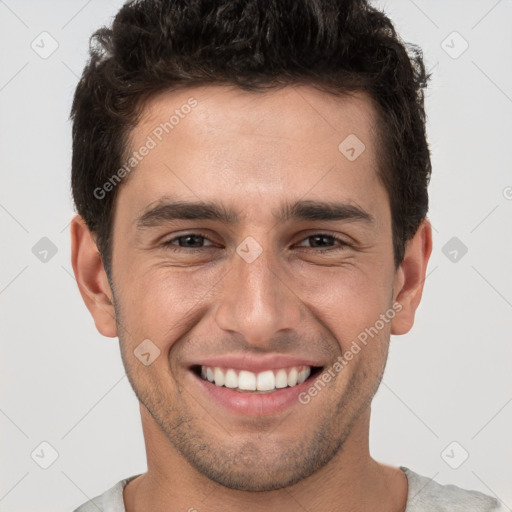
(351, 482)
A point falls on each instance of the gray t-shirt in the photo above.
(424, 495)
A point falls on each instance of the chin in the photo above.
(255, 468)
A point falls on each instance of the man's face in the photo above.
(258, 291)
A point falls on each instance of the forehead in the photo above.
(216, 141)
(297, 113)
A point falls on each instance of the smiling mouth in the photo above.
(268, 381)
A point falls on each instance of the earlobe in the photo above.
(410, 278)
(91, 278)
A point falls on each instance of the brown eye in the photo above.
(187, 241)
(324, 241)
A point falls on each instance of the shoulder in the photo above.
(110, 501)
(426, 495)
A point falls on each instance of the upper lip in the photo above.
(255, 363)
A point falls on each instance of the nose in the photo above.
(257, 300)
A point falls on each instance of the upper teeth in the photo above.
(267, 380)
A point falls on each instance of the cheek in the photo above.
(349, 300)
(352, 292)
(160, 303)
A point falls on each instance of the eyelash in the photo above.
(169, 245)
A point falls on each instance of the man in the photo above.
(251, 183)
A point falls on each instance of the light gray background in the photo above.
(447, 380)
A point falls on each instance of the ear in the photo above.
(410, 278)
(92, 278)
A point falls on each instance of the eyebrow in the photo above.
(300, 210)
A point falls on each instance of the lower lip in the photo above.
(253, 404)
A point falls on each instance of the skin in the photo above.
(253, 152)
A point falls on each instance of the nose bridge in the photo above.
(256, 300)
